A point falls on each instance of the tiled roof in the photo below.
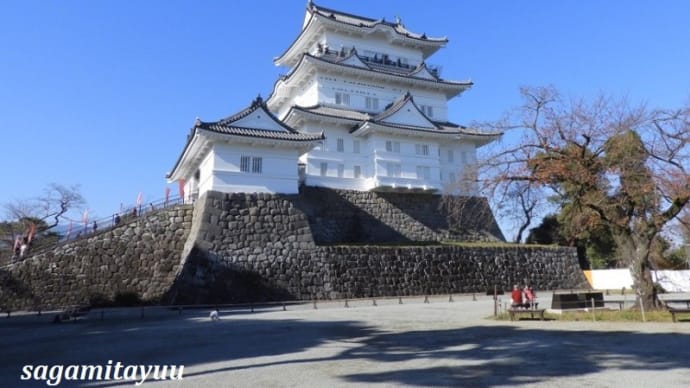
(362, 117)
(361, 21)
(335, 112)
(218, 127)
(410, 72)
(226, 126)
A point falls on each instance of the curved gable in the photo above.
(405, 112)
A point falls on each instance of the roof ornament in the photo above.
(197, 121)
(259, 101)
(398, 21)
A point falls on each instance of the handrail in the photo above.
(124, 216)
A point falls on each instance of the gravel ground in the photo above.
(390, 344)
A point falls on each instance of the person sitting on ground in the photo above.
(516, 297)
(529, 297)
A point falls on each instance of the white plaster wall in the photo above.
(358, 90)
(279, 170)
(614, 279)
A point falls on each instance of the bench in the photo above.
(71, 313)
(675, 311)
(620, 303)
(513, 312)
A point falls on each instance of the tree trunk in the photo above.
(643, 283)
(637, 251)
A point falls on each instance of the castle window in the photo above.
(393, 170)
(340, 145)
(451, 177)
(358, 171)
(427, 110)
(257, 165)
(324, 168)
(421, 149)
(355, 146)
(341, 170)
(392, 146)
(244, 163)
(371, 103)
(423, 172)
(451, 156)
(342, 99)
(252, 164)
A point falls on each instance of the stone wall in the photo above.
(343, 216)
(138, 259)
(261, 247)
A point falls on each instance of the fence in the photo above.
(100, 225)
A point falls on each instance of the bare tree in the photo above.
(607, 162)
(49, 208)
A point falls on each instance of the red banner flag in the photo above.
(85, 217)
(69, 230)
(181, 187)
(32, 231)
(167, 194)
(140, 198)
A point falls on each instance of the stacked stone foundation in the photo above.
(319, 244)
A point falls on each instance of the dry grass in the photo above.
(630, 315)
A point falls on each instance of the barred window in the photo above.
(244, 163)
(422, 149)
(355, 146)
(340, 145)
(392, 146)
(257, 165)
(252, 164)
(358, 171)
(393, 170)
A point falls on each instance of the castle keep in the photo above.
(330, 188)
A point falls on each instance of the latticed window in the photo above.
(392, 146)
(423, 172)
(358, 171)
(342, 98)
(252, 164)
(355, 146)
(371, 103)
(257, 165)
(422, 149)
(340, 145)
(393, 170)
(244, 163)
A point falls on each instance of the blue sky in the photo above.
(103, 93)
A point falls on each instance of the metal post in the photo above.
(495, 301)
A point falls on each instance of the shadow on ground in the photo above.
(471, 356)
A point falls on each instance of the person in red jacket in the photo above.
(516, 297)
